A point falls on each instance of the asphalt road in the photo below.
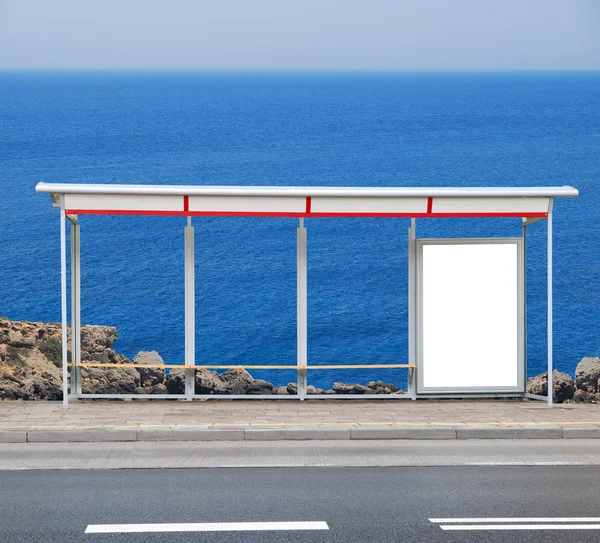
(357, 504)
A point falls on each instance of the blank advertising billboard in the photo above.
(470, 315)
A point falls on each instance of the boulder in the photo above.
(175, 381)
(282, 391)
(150, 376)
(378, 387)
(342, 388)
(234, 381)
(259, 386)
(206, 381)
(563, 386)
(587, 374)
(311, 389)
(583, 396)
(96, 339)
(292, 389)
(157, 389)
(110, 380)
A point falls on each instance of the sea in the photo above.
(379, 129)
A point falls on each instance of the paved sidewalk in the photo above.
(287, 420)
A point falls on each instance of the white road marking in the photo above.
(489, 527)
(204, 527)
(488, 520)
(525, 463)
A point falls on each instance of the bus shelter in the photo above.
(466, 314)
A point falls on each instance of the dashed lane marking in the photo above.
(205, 527)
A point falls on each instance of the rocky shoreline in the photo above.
(30, 369)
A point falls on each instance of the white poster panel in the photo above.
(470, 316)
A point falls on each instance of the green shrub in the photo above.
(52, 350)
(14, 356)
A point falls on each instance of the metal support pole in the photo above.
(189, 308)
(524, 257)
(412, 233)
(550, 391)
(75, 310)
(301, 310)
(63, 302)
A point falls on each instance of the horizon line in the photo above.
(297, 70)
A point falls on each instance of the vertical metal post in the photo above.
(63, 301)
(524, 257)
(412, 233)
(301, 309)
(189, 308)
(549, 224)
(75, 310)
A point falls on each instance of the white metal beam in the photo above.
(301, 307)
(63, 301)
(412, 293)
(75, 309)
(524, 268)
(550, 391)
(190, 309)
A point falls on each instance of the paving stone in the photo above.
(361, 419)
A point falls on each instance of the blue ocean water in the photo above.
(361, 129)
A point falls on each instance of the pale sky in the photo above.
(300, 34)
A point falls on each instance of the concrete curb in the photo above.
(290, 434)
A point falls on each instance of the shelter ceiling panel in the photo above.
(247, 204)
(122, 202)
(490, 205)
(368, 205)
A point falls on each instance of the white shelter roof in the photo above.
(287, 201)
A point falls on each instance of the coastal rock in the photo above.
(157, 389)
(582, 396)
(234, 381)
(258, 386)
(31, 369)
(175, 382)
(342, 388)
(110, 380)
(206, 381)
(378, 387)
(292, 389)
(97, 339)
(587, 374)
(563, 386)
(150, 376)
(30, 360)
